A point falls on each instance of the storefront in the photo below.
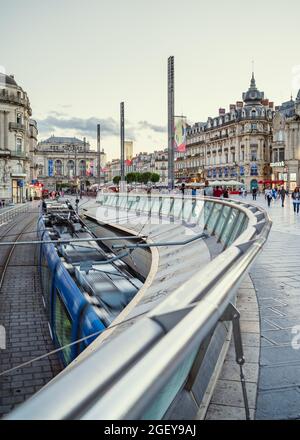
(18, 188)
(279, 173)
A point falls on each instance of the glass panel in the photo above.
(177, 207)
(227, 231)
(222, 220)
(165, 209)
(166, 396)
(236, 230)
(214, 216)
(63, 326)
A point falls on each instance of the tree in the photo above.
(155, 177)
(145, 177)
(116, 180)
(131, 177)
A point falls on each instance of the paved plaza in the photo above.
(276, 279)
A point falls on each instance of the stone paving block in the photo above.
(229, 392)
(282, 404)
(279, 355)
(280, 376)
(226, 412)
(250, 326)
(231, 371)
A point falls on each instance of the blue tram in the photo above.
(84, 285)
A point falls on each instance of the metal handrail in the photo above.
(10, 213)
(122, 379)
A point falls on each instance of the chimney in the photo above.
(271, 104)
(277, 108)
(239, 104)
(265, 102)
(232, 107)
(222, 111)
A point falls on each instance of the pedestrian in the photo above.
(268, 196)
(207, 191)
(182, 188)
(296, 199)
(225, 193)
(217, 192)
(282, 194)
(194, 191)
(254, 193)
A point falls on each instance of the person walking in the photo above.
(296, 199)
(282, 194)
(268, 195)
(182, 188)
(217, 192)
(225, 193)
(254, 193)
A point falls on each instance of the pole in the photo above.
(171, 122)
(99, 155)
(122, 138)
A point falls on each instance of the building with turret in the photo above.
(235, 145)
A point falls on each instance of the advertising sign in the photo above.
(180, 134)
(50, 168)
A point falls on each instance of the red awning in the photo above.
(270, 182)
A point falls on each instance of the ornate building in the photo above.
(65, 161)
(285, 161)
(18, 137)
(234, 145)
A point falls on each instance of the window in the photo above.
(63, 326)
(281, 155)
(226, 157)
(242, 155)
(19, 118)
(70, 168)
(58, 167)
(233, 156)
(82, 168)
(19, 145)
(253, 155)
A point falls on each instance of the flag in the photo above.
(180, 134)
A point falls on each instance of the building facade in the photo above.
(156, 162)
(236, 144)
(18, 138)
(66, 162)
(285, 160)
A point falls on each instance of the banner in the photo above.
(50, 168)
(180, 134)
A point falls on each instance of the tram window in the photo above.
(63, 326)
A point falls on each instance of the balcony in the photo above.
(17, 126)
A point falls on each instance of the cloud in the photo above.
(59, 121)
(109, 127)
(153, 127)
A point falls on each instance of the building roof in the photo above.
(63, 140)
(253, 96)
(6, 80)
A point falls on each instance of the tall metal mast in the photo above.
(98, 155)
(171, 122)
(122, 138)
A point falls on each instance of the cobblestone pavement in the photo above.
(276, 278)
(23, 316)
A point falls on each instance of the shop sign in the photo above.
(277, 164)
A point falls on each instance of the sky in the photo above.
(77, 60)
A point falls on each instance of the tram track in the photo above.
(9, 253)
